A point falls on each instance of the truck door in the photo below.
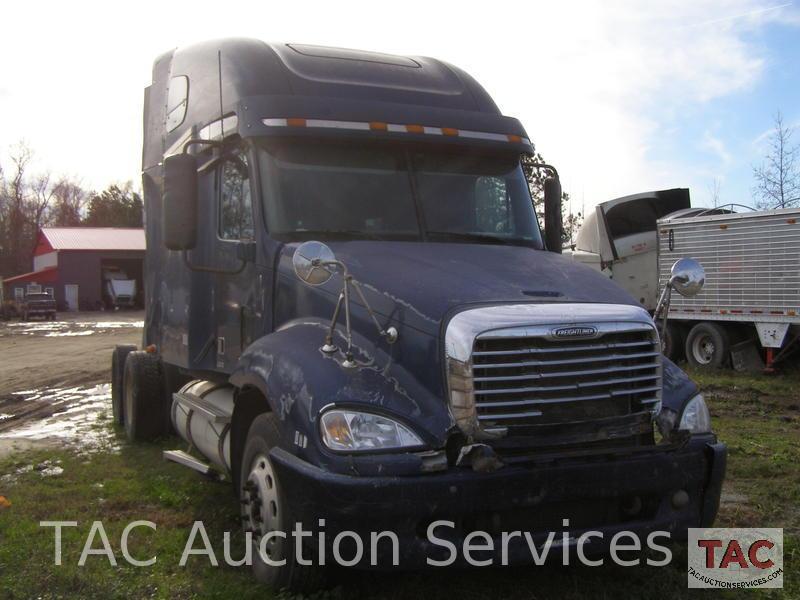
(236, 301)
(629, 225)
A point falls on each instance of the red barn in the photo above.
(71, 262)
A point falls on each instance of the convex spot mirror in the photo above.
(309, 262)
(688, 277)
(180, 202)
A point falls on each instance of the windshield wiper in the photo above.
(482, 238)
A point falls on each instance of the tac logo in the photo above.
(735, 558)
(574, 332)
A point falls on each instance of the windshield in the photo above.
(334, 190)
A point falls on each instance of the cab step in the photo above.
(187, 460)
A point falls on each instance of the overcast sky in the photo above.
(621, 96)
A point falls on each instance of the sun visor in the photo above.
(292, 115)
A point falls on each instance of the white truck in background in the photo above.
(120, 291)
(749, 309)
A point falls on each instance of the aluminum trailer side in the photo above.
(752, 264)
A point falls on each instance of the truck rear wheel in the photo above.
(143, 396)
(264, 509)
(118, 356)
(708, 345)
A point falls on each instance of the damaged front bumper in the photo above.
(659, 490)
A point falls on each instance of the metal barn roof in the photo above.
(46, 275)
(94, 238)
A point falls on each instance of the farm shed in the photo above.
(71, 262)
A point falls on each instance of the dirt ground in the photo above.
(46, 367)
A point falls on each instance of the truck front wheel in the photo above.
(143, 396)
(708, 345)
(265, 510)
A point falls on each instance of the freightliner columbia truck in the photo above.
(352, 313)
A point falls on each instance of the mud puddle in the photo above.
(76, 416)
(68, 328)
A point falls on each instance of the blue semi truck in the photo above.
(351, 312)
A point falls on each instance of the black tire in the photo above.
(257, 493)
(674, 342)
(143, 395)
(118, 356)
(708, 345)
(174, 380)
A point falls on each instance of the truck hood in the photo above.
(418, 284)
(417, 287)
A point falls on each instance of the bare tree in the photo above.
(713, 191)
(778, 177)
(3, 214)
(13, 258)
(39, 199)
(24, 208)
(69, 200)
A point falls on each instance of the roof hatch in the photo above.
(355, 55)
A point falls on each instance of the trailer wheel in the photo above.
(264, 509)
(118, 356)
(673, 341)
(143, 396)
(708, 345)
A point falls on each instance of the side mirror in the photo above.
(687, 277)
(308, 262)
(179, 202)
(552, 214)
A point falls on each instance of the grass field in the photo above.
(758, 417)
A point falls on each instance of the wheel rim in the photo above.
(703, 349)
(261, 506)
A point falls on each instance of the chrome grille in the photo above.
(529, 377)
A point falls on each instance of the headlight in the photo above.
(695, 416)
(351, 431)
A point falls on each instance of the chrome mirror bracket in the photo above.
(312, 263)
